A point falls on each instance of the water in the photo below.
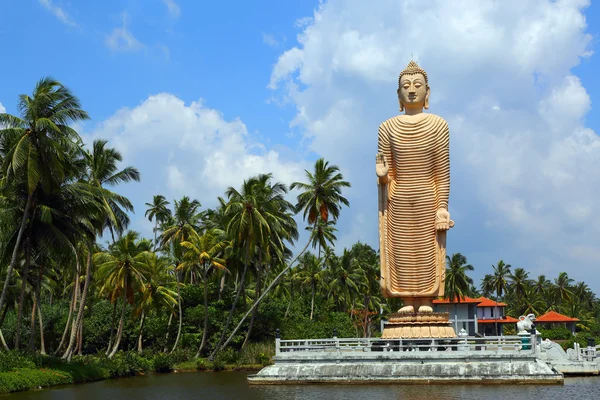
(232, 385)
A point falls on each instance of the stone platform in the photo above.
(310, 362)
(416, 325)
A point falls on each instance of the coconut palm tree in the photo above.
(157, 290)
(158, 211)
(310, 274)
(562, 288)
(102, 171)
(43, 136)
(322, 233)
(500, 282)
(186, 222)
(321, 197)
(257, 215)
(519, 280)
(326, 191)
(123, 268)
(204, 253)
(457, 282)
(345, 278)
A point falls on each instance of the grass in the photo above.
(19, 371)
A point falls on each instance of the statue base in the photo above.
(418, 325)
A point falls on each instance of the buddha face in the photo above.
(413, 92)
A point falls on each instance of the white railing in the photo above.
(347, 345)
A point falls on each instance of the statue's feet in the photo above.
(407, 309)
(425, 309)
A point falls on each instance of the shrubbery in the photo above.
(557, 333)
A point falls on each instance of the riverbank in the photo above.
(20, 372)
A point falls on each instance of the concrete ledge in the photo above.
(455, 370)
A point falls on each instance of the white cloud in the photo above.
(188, 149)
(524, 167)
(2, 109)
(270, 40)
(58, 12)
(174, 10)
(121, 39)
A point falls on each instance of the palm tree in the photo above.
(123, 268)
(562, 288)
(321, 197)
(101, 171)
(326, 191)
(157, 211)
(500, 282)
(43, 136)
(204, 252)
(458, 283)
(177, 229)
(487, 285)
(310, 274)
(186, 222)
(257, 215)
(345, 281)
(157, 290)
(322, 232)
(519, 281)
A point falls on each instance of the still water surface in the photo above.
(232, 385)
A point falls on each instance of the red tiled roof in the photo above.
(506, 320)
(485, 302)
(464, 299)
(553, 316)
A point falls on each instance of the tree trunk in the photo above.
(366, 320)
(155, 230)
(3, 341)
(221, 286)
(78, 321)
(36, 302)
(180, 313)
(205, 280)
(6, 306)
(80, 339)
(121, 322)
(112, 327)
(256, 303)
(168, 329)
(237, 295)
(139, 341)
(13, 260)
(258, 288)
(42, 344)
(22, 294)
(312, 301)
(71, 309)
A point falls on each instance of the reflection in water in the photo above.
(232, 385)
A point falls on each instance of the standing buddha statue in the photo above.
(413, 170)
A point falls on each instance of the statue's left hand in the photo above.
(442, 220)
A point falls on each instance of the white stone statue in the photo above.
(525, 323)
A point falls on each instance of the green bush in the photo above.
(218, 364)
(27, 378)
(202, 364)
(10, 360)
(580, 338)
(557, 333)
(257, 353)
(163, 362)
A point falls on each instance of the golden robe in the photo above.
(412, 251)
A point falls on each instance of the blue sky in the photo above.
(200, 95)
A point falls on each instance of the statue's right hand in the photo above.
(381, 167)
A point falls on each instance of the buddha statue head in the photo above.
(413, 88)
